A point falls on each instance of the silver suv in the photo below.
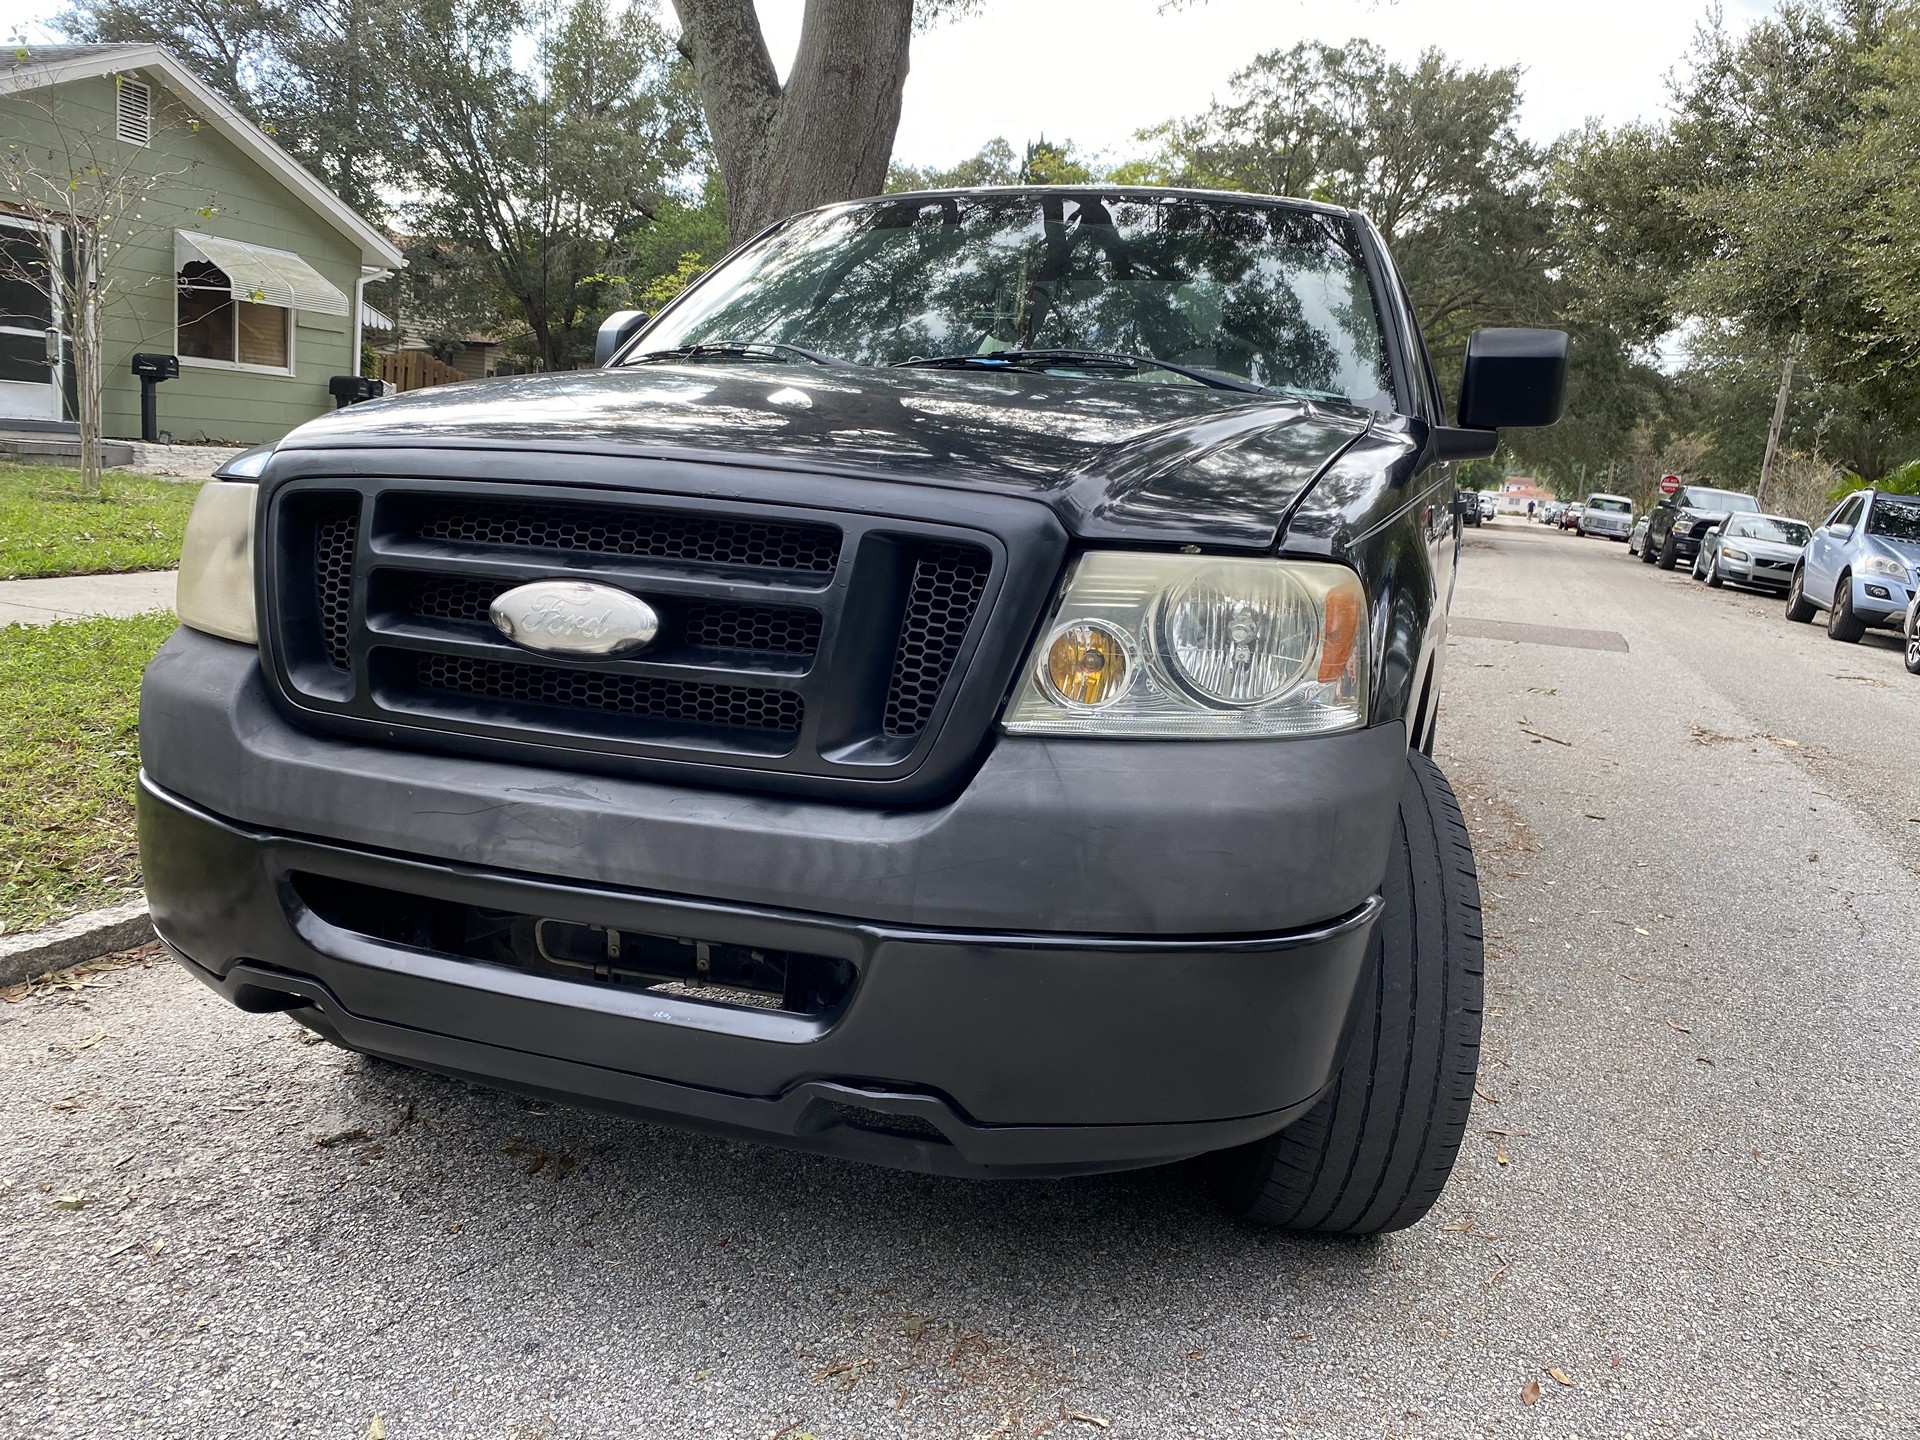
(1610, 516)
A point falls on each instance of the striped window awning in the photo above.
(266, 277)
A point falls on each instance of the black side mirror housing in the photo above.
(618, 328)
(1513, 377)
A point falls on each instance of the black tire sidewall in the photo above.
(1375, 1152)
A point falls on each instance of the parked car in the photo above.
(1637, 536)
(1489, 505)
(1570, 517)
(1470, 507)
(1862, 566)
(748, 732)
(1756, 550)
(1676, 525)
(1608, 516)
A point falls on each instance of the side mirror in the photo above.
(1840, 532)
(618, 328)
(1513, 377)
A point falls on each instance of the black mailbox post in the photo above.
(152, 369)
(351, 389)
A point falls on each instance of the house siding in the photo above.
(249, 205)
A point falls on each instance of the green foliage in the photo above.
(69, 755)
(542, 172)
(48, 527)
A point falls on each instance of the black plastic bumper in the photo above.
(984, 1041)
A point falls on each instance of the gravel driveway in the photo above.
(1687, 1205)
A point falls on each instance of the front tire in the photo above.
(1913, 641)
(1799, 609)
(1842, 624)
(1669, 552)
(1714, 577)
(1646, 550)
(1376, 1151)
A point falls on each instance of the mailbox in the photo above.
(152, 369)
(351, 389)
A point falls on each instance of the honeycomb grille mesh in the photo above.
(335, 539)
(652, 534)
(730, 706)
(758, 629)
(948, 581)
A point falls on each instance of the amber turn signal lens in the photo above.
(1087, 665)
(1342, 629)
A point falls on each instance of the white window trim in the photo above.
(124, 84)
(293, 330)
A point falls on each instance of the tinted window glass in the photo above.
(1274, 295)
(1697, 498)
(1768, 527)
(1896, 519)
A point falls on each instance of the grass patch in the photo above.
(48, 528)
(69, 754)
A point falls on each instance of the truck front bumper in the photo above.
(1095, 956)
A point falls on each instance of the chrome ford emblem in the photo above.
(572, 617)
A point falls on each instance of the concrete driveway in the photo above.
(1687, 1205)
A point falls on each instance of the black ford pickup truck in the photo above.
(952, 690)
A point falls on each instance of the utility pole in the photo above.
(1773, 430)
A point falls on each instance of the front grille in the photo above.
(606, 530)
(948, 581)
(569, 689)
(334, 541)
(802, 650)
(749, 629)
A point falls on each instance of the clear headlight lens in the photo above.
(1733, 554)
(215, 589)
(1198, 646)
(1883, 565)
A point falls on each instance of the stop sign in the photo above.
(1669, 484)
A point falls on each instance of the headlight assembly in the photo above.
(1883, 565)
(215, 589)
(1170, 646)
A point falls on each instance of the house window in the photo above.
(212, 325)
(133, 111)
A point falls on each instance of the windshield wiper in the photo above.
(737, 350)
(1079, 360)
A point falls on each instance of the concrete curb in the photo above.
(84, 937)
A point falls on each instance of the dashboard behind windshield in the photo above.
(1272, 295)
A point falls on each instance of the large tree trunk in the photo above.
(828, 133)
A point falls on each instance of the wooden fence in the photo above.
(415, 370)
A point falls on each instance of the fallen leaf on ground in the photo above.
(1086, 1419)
(91, 1041)
(1490, 1099)
(1458, 1227)
(376, 1429)
(1681, 1029)
(1530, 1392)
(70, 1202)
(1500, 1155)
(1559, 1376)
(1638, 931)
(342, 1137)
(842, 1368)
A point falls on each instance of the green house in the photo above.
(236, 260)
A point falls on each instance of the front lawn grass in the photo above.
(69, 754)
(47, 527)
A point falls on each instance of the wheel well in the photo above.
(1420, 731)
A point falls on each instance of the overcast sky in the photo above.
(1095, 71)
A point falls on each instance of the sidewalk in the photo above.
(70, 597)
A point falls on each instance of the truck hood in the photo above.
(1114, 459)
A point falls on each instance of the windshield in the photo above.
(1895, 519)
(1696, 499)
(1262, 294)
(1612, 507)
(1767, 527)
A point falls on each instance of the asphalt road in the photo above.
(1689, 1189)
